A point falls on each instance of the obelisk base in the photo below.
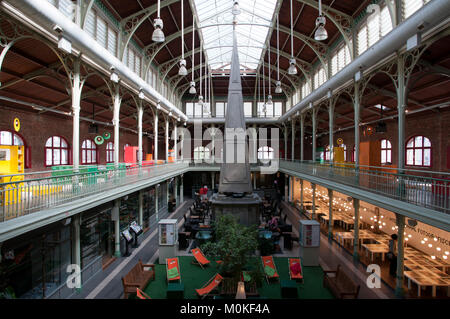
(245, 209)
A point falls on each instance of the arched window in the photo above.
(201, 153)
(9, 138)
(88, 152)
(418, 151)
(386, 152)
(110, 152)
(56, 151)
(265, 153)
(14, 139)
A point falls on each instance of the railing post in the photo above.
(157, 202)
(76, 246)
(141, 208)
(356, 229)
(286, 187)
(181, 189)
(400, 219)
(302, 136)
(313, 214)
(301, 196)
(167, 141)
(330, 214)
(115, 216)
(140, 115)
(155, 137)
(314, 131)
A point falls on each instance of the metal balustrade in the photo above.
(23, 194)
(27, 193)
(422, 188)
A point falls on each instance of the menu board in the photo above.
(309, 234)
(127, 235)
(166, 234)
(135, 228)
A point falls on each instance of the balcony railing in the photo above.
(23, 194)
(422, 188)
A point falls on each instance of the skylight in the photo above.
(215, 19)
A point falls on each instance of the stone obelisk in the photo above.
(235, 196)
(235, 171)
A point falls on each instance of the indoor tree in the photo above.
(234, 244)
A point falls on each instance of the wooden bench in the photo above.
(340, 285)
(138, 277)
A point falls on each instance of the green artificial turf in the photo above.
(194, 277)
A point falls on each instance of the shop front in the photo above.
(426, 248)
(33, 265)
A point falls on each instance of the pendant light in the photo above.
(205, 104)
(278, 89)
(236, 10)
(158, 34)
(321, 33)
(264, 110)
(269, 97)
(200, 98)
(292, 68)
(192, 89)
(182, 71)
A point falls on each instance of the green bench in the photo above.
(175, 291)
(288, 289)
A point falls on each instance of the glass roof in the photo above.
(253, 24)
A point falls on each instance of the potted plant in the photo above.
(234, 244)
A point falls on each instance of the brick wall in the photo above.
(37, 128)
(434, 126)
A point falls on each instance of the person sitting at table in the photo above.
(273, 224)
(203, 192)
(392, 255)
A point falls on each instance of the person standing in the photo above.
(392, 255)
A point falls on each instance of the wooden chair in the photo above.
(199, 257)
(293, 263)
(341, 285)
(267, 261)
(141, 295)
(137, 277)
(212, 284)
(172, 263)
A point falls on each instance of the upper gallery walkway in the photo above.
(32, 200)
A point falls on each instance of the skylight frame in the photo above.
(253, 26)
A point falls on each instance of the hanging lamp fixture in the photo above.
(182, 71)
(192, 89)
(278, 89)
(292, 68)
(269, 97)
(205, 105)
(236, 10)
(158, 34)
(321, 33)
(264, 110)
(200, 97)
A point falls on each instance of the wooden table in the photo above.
(341, 237)
(427, 278)
(376, 249)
